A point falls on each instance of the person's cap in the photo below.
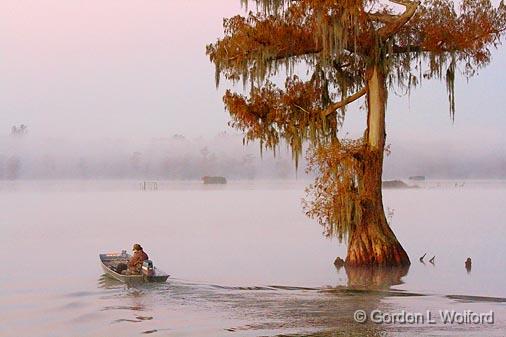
(137, 247)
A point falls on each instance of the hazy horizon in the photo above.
(179, 157)
(83, 76)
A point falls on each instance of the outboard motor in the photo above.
(147, 268)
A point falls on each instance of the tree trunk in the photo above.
(372, 242)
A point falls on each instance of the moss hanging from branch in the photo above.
(334, 197)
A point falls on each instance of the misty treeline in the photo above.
(183, 158)
(173, 158)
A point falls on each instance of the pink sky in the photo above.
(96, 68)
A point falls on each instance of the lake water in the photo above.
(243, 259)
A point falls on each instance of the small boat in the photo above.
(111, 260)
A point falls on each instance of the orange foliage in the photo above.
(467, 32)
(334, 197)
(340, 41)
(269, 113)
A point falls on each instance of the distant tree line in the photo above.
(20, 130)
(175, 158)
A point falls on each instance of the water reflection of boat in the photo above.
(113, 259)
(109, 283)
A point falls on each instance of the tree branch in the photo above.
(334, 106)
(407, 49)
(383, 17)
(394, 26)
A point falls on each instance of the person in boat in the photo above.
(135, 262)
(134, 266)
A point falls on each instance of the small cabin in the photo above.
(214, 180)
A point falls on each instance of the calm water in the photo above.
(244, 261)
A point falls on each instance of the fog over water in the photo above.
(180, 158)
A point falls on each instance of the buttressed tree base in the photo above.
(351, 49)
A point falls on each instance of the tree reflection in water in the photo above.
(375, 277)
